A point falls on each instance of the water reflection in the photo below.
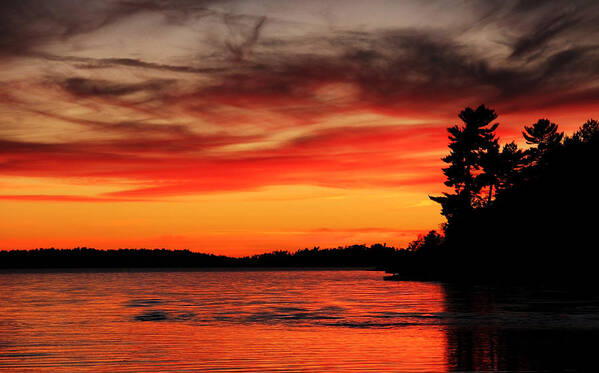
(516, 329)
(309, 321)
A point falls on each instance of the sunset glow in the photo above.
(239, 127)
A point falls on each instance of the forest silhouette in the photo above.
(355, 256)
(512, 214)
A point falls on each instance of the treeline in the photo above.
(358, 256)
(513, 213)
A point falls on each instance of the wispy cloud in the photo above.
(344, 157)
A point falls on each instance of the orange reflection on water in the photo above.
(308, 321)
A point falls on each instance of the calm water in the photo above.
(286, 321)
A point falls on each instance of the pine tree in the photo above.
(468, 143)
(588, 131)
(544, 135)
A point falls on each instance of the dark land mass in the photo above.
(513, 215)
(356, 256)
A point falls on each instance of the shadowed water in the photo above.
(286, 321)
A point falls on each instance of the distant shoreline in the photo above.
(182, 269)
(126, 260)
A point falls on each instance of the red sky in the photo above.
(238, 127)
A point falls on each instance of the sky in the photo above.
(239, 127)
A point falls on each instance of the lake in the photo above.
(286, 321)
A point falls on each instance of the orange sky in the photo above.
(238, 127)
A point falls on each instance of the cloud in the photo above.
(535, 29)
(26, 25)
(345, 157)
(393, 69)
(87, 63)
(402, 71)
(543, 32)
(95, 87)
(239, 50)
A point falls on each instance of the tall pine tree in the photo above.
(468, 143)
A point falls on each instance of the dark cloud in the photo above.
(402, 68)
(95, 87)
(394, 69)
(542, 33)
(98, 63)
(240, 49)
(528, 5)
(136, 128)
(28, 24)
(391, 68)
(533, 29)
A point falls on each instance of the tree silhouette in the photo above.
(535, 223)
(468, 144)
(500, 169)
(544, 135)
(349, 256)
(588, 131)
(430, 242)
